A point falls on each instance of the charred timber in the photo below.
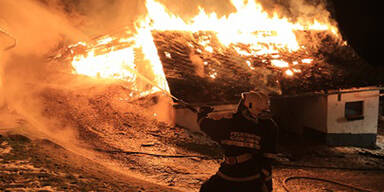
(334, 66)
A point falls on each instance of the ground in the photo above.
(358, 167)
(107, 142)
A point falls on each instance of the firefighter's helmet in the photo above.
(255, 102)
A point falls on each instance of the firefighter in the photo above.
(249, 141)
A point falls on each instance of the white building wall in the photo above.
(336, 121)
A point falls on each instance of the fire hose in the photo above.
(285, 181)
(323, 180)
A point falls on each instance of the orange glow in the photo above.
(296, 70)
(108, 65)
(307, 61)
(289, 72)
(123, 63)
(276, 32)
(279, 63)
(263, 33)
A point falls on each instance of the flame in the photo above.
(108, 65)
(250, 24)
(123, 63)
(265, 34)
(307, 61)
(279, 63)
(289, 72)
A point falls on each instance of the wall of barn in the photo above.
(359, 132)
(338, 123)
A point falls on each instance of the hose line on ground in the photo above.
(285, 185)
(285, 182)
(327, 167)
(155, 154)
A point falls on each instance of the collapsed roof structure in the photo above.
(220, 74)
(211, 59)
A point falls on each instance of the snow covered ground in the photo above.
(100, 141)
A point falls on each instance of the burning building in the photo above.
(317, 95)
(70, 87)
(210, 60)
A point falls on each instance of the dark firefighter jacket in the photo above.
(239, 135)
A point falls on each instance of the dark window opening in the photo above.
(354, 110)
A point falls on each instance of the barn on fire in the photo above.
(335, 98)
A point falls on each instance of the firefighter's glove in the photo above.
(203, 112)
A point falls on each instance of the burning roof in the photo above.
(224, 72)
(214, 59)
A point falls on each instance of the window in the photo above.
(354, 110)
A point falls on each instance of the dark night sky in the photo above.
(359, 23)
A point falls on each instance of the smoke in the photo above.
(41, 27)
(292, 9)
(103, 16)
(187, 9)
(309, 10)
(2, 99)
(296, 10)
(24, 69)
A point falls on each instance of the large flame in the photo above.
(265, 34)
(133, 59)
(250, 25)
